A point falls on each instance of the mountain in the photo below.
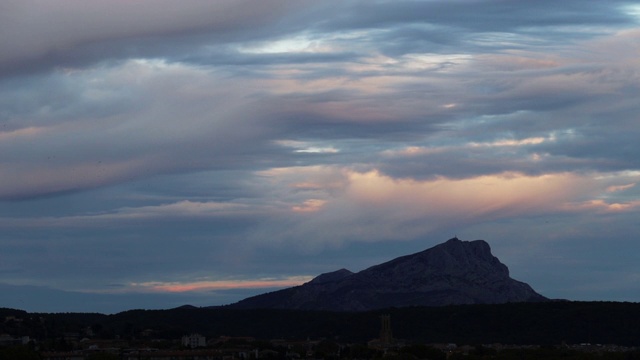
(452, 273)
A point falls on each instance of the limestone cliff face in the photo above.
(455, 272)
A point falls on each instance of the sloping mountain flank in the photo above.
(452, 273)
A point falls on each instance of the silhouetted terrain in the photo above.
(512, 323)
(453, 273)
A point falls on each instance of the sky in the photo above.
(156, 153)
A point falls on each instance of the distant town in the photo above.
(68, 337)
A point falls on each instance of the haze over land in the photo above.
(159, 153)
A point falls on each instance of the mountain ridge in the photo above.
(452, 273)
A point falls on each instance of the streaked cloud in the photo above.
(166, 144)
(213, 285)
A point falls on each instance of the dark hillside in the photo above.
(452, 273)
(545, 323)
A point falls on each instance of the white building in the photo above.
(194, 340)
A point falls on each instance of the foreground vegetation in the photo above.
(550, 326)
(330, 351)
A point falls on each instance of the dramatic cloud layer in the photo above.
(157, 153)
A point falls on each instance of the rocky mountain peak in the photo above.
(475, 254)
(454, 272)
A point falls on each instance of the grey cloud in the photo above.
(489, 16)
(480, 16)
(72, 33)
(176, 131)
(159, 142)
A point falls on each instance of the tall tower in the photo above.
(385, 331)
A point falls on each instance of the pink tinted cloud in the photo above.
(372, 206)
(311, 205)
(476, 195)
(179, 287)
(604, 206)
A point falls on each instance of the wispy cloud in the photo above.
(213, 285)
(241, 136)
